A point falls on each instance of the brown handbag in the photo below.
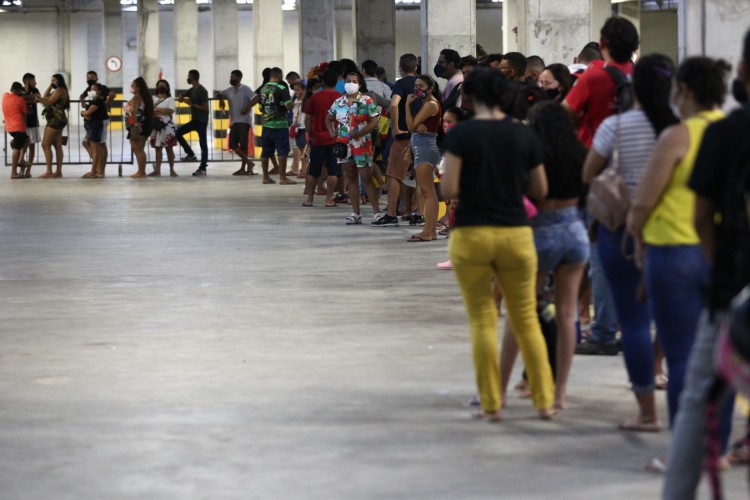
(609, 199)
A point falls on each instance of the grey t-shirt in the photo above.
(198, 95)
(637, 141)
(238, 99)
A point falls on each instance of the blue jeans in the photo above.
(200, 128)
(675, 278)
(687, 447)
(624, 279)
(604, 326)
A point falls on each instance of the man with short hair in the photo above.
(241, 101)
(397, 165)
(494, 60)
(447, 68)
(588, 55)
(467, 64)
(197, 98)
(32, 116)
(513, 66)
(14, 111)
(534, 67)
(275, 100)
(592, 99)
(292, 77)
(320, 141)
(369, 71)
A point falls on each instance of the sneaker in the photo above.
(386, 221)
(199, 172)
(377, 217)
(189, 158)
(353, 219)
(341, 198)
(417, 220)
(589, 347)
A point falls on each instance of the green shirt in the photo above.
(274, 99)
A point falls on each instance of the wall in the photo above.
(659, 33)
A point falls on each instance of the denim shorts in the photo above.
(424, 147)
(560, 237)
(275, 140)
(94, 130)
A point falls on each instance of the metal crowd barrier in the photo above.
(119, 152)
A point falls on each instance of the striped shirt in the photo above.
(637, 141)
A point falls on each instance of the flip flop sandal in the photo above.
(636, 425)
(481, 415)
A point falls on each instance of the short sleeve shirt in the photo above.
(317, 108)
(593, 99)
(353, 118)
(101, 109)
(199, 95)
(14, 112)
(454, 80)
(637, 140)
(238, 99)
(274, 99)
(403, 88)
(496, 158)
(32, 116)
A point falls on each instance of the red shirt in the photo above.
(14, 110)
(317, 108)
(593, 98)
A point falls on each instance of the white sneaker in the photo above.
(377, 216)
(353, 219)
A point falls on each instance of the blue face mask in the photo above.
(439, 70)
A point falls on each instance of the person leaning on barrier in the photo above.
(31, 94)
(241, 101)
(14, 110)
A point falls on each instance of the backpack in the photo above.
(624, 97)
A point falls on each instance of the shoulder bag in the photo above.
(609, 199)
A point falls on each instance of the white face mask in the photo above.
(351, 88)
(92, 95)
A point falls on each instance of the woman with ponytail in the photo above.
(633, 135)
(661, 218)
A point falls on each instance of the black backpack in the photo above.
(624, 95)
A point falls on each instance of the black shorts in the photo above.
(322, 156)
(238, 136)
(94, 130)
(19, 139)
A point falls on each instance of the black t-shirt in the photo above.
(403, 88)
(725, 153)
(101, 109)
(199, 95)
(496, 157)
(32, 117)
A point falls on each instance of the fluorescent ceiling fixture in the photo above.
(12, 3)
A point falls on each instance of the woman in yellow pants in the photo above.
(490, 163)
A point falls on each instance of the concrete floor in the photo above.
(210, 338)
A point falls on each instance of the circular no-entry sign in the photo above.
(114, 64)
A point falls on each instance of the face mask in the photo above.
(351, 88)
(190, 81)
(439, 70)
(92, 95)
(90, 82)
(161, 90)
(738, 91)
(232, 82)
(552, 93)
(419, 93)
(448, 126)
(54, 86)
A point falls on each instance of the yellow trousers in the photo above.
(478, 253)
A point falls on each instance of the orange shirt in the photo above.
(14, 111)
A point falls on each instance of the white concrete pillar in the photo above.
(316, 33)
(186, 41)
(226, 41)
(113, 43)
(374, 30)
(268, 23)
(554, 30)
(148, 41)
(714, 28)
(447, 24)
(510, 26)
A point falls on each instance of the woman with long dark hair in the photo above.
(632, 135)
(139, 112)
(556, 81)
(164, 137)
(490, 163)
(560, 237)
(56, 102)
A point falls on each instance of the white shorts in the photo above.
(34, 136)
(104, 132)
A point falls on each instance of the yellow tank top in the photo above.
(671, 221)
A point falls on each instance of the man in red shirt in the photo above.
(592, 99)
(14, 111)
(320, 141)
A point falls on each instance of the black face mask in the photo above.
(738, 91)
(161, 90)
(190, 81)
(54, 86)
(232, 82)
(552, 93)
(90, 82)
(439, 70)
